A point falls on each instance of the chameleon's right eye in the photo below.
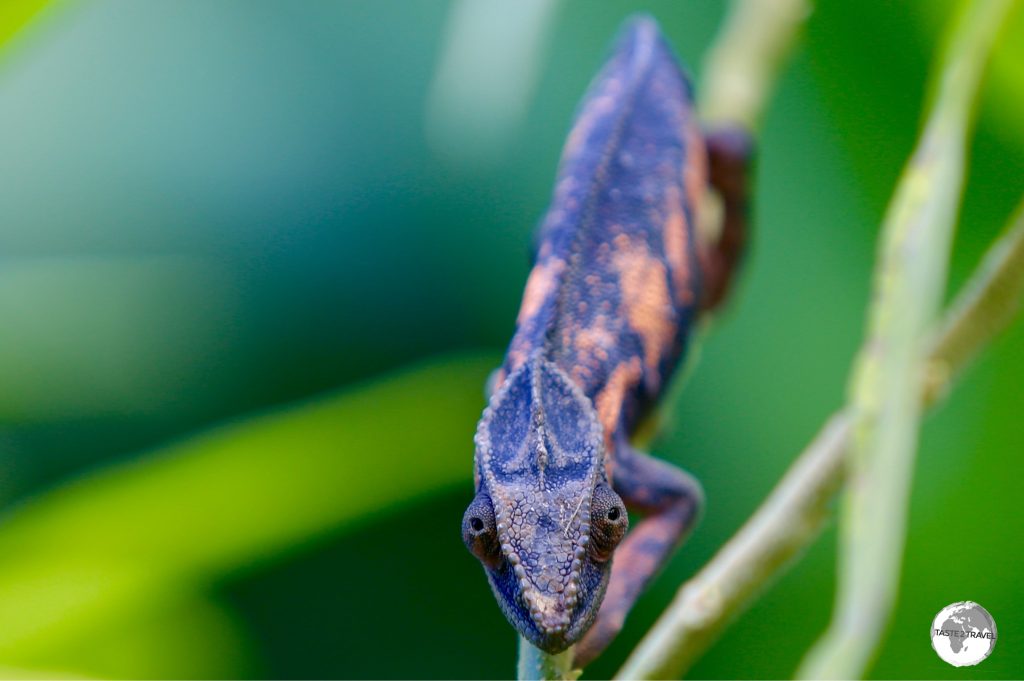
(479, 532)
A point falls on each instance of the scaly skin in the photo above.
(620, 276)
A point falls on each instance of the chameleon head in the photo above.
(544, 522)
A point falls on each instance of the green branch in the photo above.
(783, 525)
(884, 402)
(536, 665)
(984, 307)
(743, 62)
(791, 517)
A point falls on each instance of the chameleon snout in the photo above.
(550, 613)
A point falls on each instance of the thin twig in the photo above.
(785, 523)
(884, 404)
(984, 307)
(790, 518)
(742, 63)
(536, 665)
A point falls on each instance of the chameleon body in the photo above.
(620, 276)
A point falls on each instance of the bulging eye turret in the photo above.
(479, 531)
(608, 522)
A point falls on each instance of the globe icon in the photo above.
(963, 634)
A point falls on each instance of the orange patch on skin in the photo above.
(542, 282)
(563, 194)
(646, 302)
(499, 379)
(695, 177)
(515, 357)
(695, 172)
(580, 375)
(591, 347)
(609, 401)
(594, 341)
(596, 109)
(676, 237)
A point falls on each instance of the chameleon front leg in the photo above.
(670, 501)
(730, 151)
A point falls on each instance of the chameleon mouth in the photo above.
(551, 614)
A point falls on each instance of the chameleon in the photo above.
(621, 274)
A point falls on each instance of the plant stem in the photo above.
(884, 403)
(536, 665)
(985, 305)
(742, 64)
(791, 517)
(786, 522)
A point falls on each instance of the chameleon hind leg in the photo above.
(670, 501)
(730, 151)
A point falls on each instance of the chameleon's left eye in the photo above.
(608, 522)
(479, 532)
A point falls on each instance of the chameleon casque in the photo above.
(621, 273)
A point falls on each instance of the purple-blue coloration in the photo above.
(620, 276)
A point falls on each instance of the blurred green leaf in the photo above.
(193, 637)
(137, 535)
(14, 14)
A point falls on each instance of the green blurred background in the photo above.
(257, 258)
